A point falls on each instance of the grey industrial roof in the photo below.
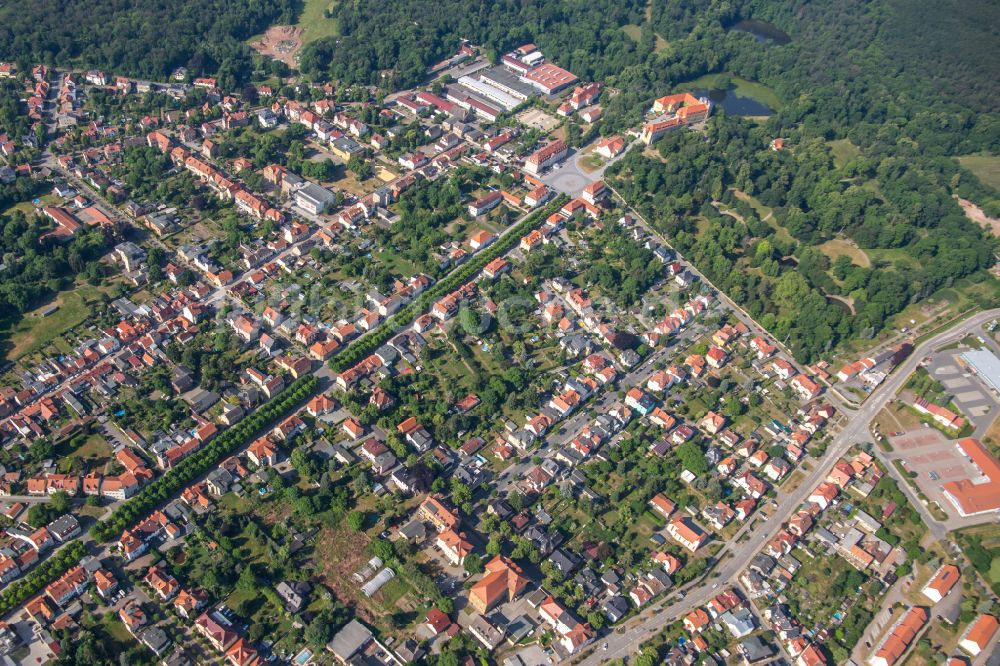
(985, 364)
(349, 640)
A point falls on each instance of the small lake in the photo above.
(763, 32)
(734, 104)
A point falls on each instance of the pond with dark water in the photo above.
(763, 32)
(734, 104)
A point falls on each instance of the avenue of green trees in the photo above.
(52, 568)
(364, 346)
(200, 462)
(904, 87)
(877, 100)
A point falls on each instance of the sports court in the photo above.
(538, 119)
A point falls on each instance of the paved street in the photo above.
(570, 177)
(657, 616)
(599, 403)
(753, 536)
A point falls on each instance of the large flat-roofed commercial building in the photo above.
(466, 99)
(549, 78)
(314, 199)
(491, 93)
(986, 365)
(976, 495)
(502, 78)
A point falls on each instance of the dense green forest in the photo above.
(926, 52)
(748, 258)
(143, 39)
(906, 86)
(401, 39)
(880, 75)
(846, 74)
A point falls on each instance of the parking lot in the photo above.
(935, 459)
(972, 398)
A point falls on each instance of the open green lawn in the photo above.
(592, 162)
(891, 256)
(984, 166)
(349, 181)
(396, 263)
(25, 207)
(33, 331)
(392, 592)
(238, 596)
(743, 87)
(117, 630)
(312, 22)
(762, 210)
(765, 213)
(843, 151)
(839, 247)
(316, 25)
(28, 208)
(93, 449)
(634, 31)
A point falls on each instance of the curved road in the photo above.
(654, 618)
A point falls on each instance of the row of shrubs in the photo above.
(189, 469)
(369, 343)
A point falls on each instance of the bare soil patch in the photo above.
(538, 119)
(281, 42)
(339, 553)
(976, 214)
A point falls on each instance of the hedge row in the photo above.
(189, 469)
(369, 343)
(20, 591)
